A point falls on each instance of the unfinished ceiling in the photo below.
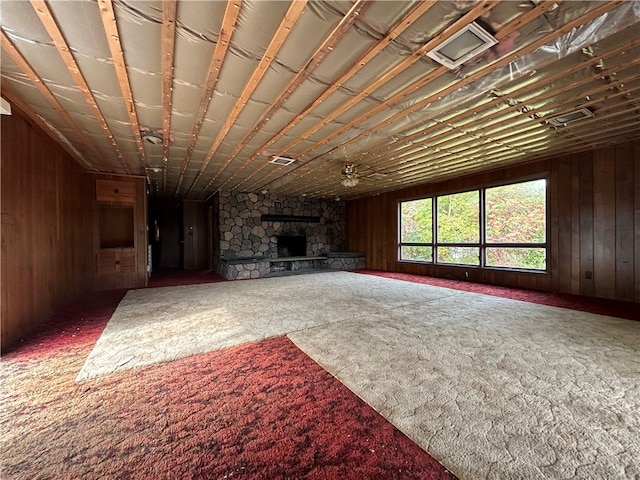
(201, 96)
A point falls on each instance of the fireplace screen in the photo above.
(292, 246)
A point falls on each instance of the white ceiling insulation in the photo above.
(224, 87)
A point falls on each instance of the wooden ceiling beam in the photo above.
(478, 115)
(592, 14)
(222, 45)
(548, 151)
(480, 9)
(569, 103)
(312, 63)
(393, 155)
(478, 154)
(291, 17)
(49, 23)
(112, 34)
(503, 32)
(503, 133)
(415, 165)
(408, 19)
(169, 14)
(21, 62)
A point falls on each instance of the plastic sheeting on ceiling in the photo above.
(324, 82)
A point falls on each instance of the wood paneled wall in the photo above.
(594, 215)
(47, 225)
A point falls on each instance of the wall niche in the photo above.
(116, 228)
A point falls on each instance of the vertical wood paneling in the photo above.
(586, 226)
(561, 256)
(594, 225)
(636, 225)
(552, 229)
(604, 224)
(624, 222)
(575, 226)
(46, 209)
(17, 279)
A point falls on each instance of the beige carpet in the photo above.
(154, 325)
(491, 387)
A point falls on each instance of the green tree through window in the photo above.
(417, 228)
(514, 234)
(516, 225)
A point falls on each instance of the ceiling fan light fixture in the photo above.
(350, 175)
(472, 40)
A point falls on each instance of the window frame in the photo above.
(482, 245)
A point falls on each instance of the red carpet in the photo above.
(172, 277)
(601, 306)
(258, 411)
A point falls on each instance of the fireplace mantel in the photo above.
(289, 218)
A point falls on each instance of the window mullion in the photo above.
(483, 223)
(434, 232)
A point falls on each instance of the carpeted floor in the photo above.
(492, 387)
(257, 411)
(602, 306)
(156, 325)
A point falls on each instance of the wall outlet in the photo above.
(466, 275)
(588, 274)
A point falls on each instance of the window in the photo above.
(498, 227)
(458, 220)
(416, 230)
(516, 225)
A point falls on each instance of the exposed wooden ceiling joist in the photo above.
(113, 39)
(512, 103)
(46, 17)
(231, 14)
(290, 18)
(237, 84)
(321, 52)
(169, 9)
(596, 12)
(416, 12)
(15, 55)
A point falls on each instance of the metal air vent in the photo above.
(282, 160)
(467, 43)
(570, 117)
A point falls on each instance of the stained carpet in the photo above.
(492, 387)
(257, 411)
(155, 325)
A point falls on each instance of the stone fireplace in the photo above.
(259, 235)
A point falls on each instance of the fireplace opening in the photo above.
(292, 246)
